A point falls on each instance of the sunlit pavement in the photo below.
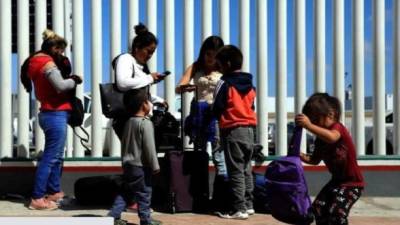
(367, 211)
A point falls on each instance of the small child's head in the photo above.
(137, 101)
(321, 106)
(229, 59)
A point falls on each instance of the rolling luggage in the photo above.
(287, 188)
(182, 185)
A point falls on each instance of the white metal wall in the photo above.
(61, 10)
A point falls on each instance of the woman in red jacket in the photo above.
(52, 91)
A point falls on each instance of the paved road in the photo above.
(367, 211)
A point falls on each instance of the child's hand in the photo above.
(302, 120)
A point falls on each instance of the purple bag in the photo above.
(287, 188)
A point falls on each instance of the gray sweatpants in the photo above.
(238, 146)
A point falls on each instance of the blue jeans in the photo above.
(48, 172)
(136, 186)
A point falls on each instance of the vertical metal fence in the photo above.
(61, 11)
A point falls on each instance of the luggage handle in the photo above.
(295, 142)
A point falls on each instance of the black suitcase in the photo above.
(182, 185)
(97, 190)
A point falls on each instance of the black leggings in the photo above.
(332, 205)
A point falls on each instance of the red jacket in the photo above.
(234, 101)
(49, 98)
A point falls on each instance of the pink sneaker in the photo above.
(42, 204)
(55, 197)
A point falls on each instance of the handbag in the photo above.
(112, 99)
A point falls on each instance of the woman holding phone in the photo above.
(132, 72)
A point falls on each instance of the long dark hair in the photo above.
(320, 105)
(211, 43)
(143, 37)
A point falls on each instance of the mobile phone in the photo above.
(165, 73)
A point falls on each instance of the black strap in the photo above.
(84, 140)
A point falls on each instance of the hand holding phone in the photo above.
(164, 74)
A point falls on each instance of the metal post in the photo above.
(224, 21)
(358, 76)
(97, 147)
(5, 80)
(319, 45)
(207, 19)
(379, 77)
(396, 77)
(23, 96)
(281, 77)
(300, 60)
(115, 147)
(78, 60)
(262, 75)
(245, 33)
(40, 26)
(67, 35)
(338, 52)
(57, 16)
(169, 53)
(188, 58)
(152, 26)
(133, 20)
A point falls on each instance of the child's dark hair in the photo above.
(134, 99)
(321, 105)
(213, 43)
(144, 37)
(231, 56)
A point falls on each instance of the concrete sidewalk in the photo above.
(367, 211)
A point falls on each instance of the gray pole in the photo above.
(224, 21)
(5, 80)
(207, 19)
(169, 53)
(78, 59)
(23, 96)
(133, 20)
(97, 59)
(262, 75)
(152, 26)
(245, 33)
(396, 77)
(319, 45)
(300, 60)
(379, 77)
(40, 26)
(338, 52)
(188, 59)
(281, 77)
(358, 116)
(57, 16)
(115, 146)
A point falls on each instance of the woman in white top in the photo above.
(131, 69)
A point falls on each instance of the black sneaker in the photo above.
(152, 222)
(120, 222)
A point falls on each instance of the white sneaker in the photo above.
(251, 211)
(237, 215)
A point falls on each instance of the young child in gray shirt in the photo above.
(139, 158)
